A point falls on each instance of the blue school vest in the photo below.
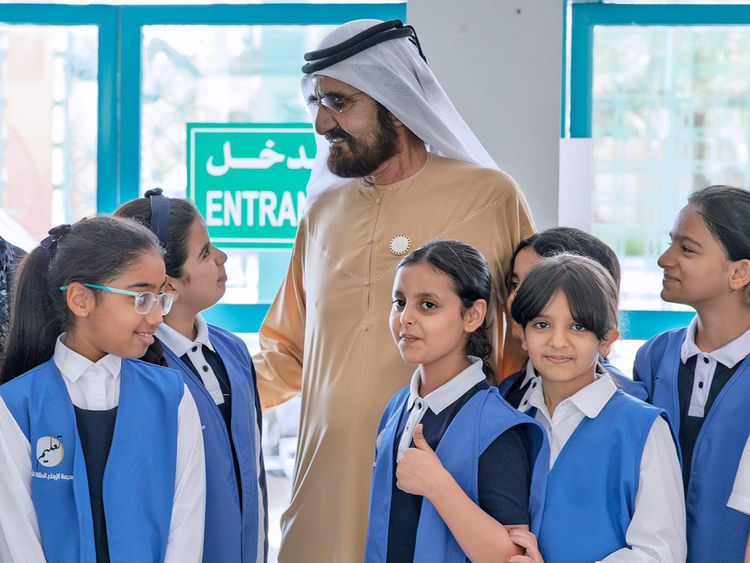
(591, 488)
(717, 452)
(633, 388)
(139, 479)
(479, 422)
(231, 533)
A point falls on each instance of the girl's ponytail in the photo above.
(35, 320)
(479, 345)
(155, 354)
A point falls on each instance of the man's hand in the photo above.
(420, 472)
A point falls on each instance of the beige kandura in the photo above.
(326, 334)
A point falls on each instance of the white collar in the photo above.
(590, 400)
(73, 365)
(449, 392)
(729, 355)
(180, 344)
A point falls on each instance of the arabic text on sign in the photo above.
(267, 158)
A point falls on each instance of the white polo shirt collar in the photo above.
(73, 365)
(728, 355)
(448, 393)
(589, 401)
(180, 344)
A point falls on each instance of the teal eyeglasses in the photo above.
(142, 301)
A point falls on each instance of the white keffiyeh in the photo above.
(394, 74)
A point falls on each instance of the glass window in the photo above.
(670, 115)
(221, 74)
(48, 128)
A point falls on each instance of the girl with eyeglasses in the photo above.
(101, 455)
(218, 371)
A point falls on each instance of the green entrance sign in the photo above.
(248, 180)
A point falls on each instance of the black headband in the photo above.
(55, 235)
(159, 223)
(384, 31)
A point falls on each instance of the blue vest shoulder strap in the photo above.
(382, 475)
(657, 355)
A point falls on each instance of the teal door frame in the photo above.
(119, 83)
(639, 325)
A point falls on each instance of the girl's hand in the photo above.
(527, 540)
(420, 472)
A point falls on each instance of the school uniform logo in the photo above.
(49, 451)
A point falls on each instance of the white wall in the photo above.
(500, 62)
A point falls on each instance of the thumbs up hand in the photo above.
(420, 472)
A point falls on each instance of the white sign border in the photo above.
(191, 184)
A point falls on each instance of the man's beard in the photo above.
(364, 156)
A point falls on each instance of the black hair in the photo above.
(94, 250)
(589, 288)
(471, 278)
(572, 241)
(726, 210)
(182, 215)
(525, 243)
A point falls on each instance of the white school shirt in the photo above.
(729, 355)
(438, 400)
(657, 531)
(96, 386)
(740, 497)
(181, 345)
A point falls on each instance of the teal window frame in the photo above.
(635, 325)
(106, 18)
(120, 32)
(587, 16)
(119, 83)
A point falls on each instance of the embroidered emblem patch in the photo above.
(400, 244)
(49, 451)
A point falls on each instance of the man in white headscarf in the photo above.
(396, 167)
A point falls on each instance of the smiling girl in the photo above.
(531, 251)
(101, 455)
(700, 374)
(614, 491)
(454, 463)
